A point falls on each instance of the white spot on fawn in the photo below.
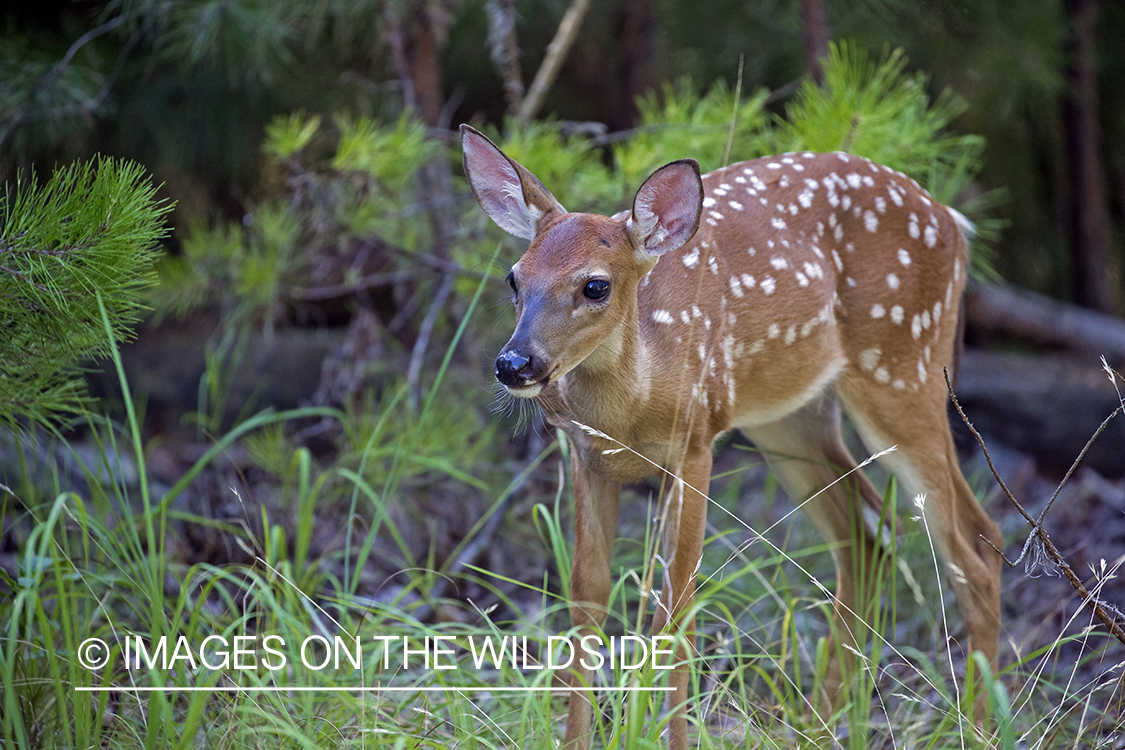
(685, 317)
(869, 358)
(897, 314)
(921, 371)
(748, 281)
(870, 221)
(839, 263)
(903, 257)
(735, 286)
(882, 375)
(768, 285)
(691, 259)
(881, 204)
(892, 281)
(790, 334)
(778, 223)
(802, 279)
(916, 326)
(708, 202)
(663, 316)
(774, 331)
(877, 311)
(779, 263)
(735, 205)
(930, 236)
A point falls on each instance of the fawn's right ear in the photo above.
(511, 196)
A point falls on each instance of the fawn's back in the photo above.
(803, 265)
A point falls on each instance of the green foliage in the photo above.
(715, 128)
(364, 189)
(89, 233)
(285, 136)
(389, 154)
(881, 112)
(239, 268)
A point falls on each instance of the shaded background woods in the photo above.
(324, 246)
(313, 375)
(187, 89)
(325, 249)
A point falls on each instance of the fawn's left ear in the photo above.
(511, 196)
(667, 208)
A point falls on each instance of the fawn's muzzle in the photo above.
(516, 369)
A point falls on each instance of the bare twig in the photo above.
(537, 451)
(79, 43)
(414, 372)
(367, 282)
(552, 62)
(1045, 547)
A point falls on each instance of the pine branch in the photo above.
(90, 231)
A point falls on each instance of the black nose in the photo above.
(512, 368)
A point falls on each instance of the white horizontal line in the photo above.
(387, 689)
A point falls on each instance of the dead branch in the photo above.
(505, 53)
(418, 355)
(556, 53)
(1042, 544)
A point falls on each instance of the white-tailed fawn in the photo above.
(762, 296)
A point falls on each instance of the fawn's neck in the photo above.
(612, 385)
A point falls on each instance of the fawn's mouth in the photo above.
(531, 390)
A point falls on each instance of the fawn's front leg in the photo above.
(595, 528)
(685, 526)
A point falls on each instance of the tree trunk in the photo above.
(636, 51)
(815, 25)
(1087, 232)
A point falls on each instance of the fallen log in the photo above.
(1001, 310)
(1047, 406)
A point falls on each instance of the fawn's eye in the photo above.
(596, 289)
(512, 281)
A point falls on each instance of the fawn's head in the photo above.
(575, 289)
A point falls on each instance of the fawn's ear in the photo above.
(511, 196)
(667, 208)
